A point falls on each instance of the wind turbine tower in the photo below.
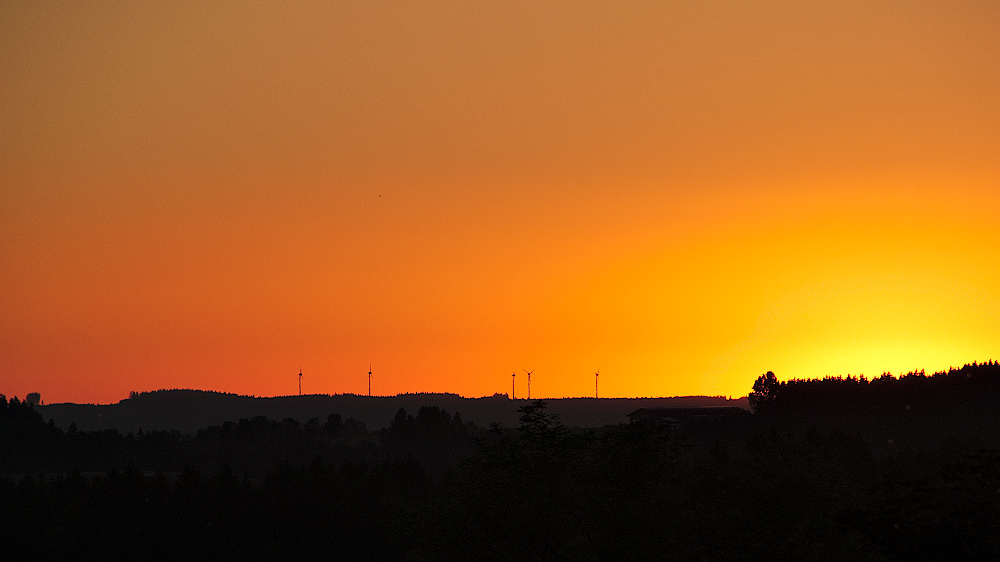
(512, 379)
(300, 381)
(529, 381)
(369, 379)
(597, 374)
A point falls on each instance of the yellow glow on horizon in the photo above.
(867, 325)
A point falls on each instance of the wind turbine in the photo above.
(529, 381)
(597, 374)
(300, 380)
(369, 379)
(512, 378)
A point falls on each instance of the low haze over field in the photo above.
(683, 195)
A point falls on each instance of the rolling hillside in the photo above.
(190, 410)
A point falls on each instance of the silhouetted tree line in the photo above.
(914, 410)
(975, 381)
(251, 446)
(432, 487)
(438, 440)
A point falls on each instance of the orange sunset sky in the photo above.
(680, 194)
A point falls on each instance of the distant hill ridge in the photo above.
(190, 410)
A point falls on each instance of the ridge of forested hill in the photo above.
(190, 410)
(957, 407)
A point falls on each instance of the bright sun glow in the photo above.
(866, 325)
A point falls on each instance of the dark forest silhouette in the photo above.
(842, 468)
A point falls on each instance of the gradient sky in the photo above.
(680, 194)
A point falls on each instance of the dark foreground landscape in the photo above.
(836, 469)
